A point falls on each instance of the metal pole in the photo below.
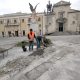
(20, 27)
(79, 29)
(42, 25)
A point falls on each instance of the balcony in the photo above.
(11, 24)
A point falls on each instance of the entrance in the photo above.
(16, 33)
(3, 34)
(60, 27)
(9, 33)
(23, 32)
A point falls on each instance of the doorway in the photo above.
(3, 34)
(16, 33)
(60, 27)
(23, 32)
(9, 33)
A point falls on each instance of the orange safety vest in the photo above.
(31, 36)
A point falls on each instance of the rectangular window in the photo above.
(22, 20)
(73, 22)
(61, 14)
(39, 25)
(29, 19)
(39, 19)
(1, 22)
(15, 21)
(8, 21)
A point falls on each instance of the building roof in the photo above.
(62, 3)
(73, 11)
(15, 14)
(18, 14)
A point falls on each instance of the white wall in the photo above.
(72, 22)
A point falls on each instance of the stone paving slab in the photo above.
(63, 65)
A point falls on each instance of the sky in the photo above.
(13, 6)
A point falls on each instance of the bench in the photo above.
(2, 51)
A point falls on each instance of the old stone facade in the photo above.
(18, 24)
(61, 19)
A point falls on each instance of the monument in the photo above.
(33, 21)
(49, 17)
(49, 8)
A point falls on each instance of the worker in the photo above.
(31, 36)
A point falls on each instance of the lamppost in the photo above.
(42, 26)
(20, 34)
(79, 28)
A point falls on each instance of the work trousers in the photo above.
(39, 39)
(31, 44)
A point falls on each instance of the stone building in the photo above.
(61, 19)
(18, 24)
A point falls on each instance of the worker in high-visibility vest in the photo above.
(31, 36)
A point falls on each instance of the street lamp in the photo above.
(79, 28)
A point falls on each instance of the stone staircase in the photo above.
(63, 33)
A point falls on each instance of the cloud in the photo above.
(12, 6)
(75, 4)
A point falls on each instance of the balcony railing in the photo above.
(11, 24)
